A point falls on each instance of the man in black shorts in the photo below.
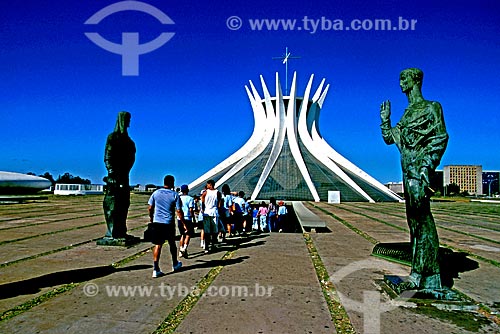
(186, 229)
(163, 205)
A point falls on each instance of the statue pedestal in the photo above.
(451, 264)
(130, 240)
(402, 287)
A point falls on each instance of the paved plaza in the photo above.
(55, 279)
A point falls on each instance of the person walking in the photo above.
(238, 213)
(255, 219)
(247, 216)
(263, 216)
(272, 211)
(226, 210)
(164, 203)
(186, 230)
(198, 219)
(282, 214)
(211, 198)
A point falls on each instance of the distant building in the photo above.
(151, 188)
(78, 189)
(436, 181)
(468, 177)
(490, 183)
(397, 187)
(140, 188)
(17, 183)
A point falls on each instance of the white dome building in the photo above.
(17, 183)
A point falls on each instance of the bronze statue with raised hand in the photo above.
(421, 138)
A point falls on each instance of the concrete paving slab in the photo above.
(281, 261)
(291, 299)
(126, 300)
(348, 253)
(27, 280)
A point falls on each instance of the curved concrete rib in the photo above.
(293, 141)
(268, 131)
(279, 138)
(274, 124)
(339, 159)
(313, 148)
(257, 136)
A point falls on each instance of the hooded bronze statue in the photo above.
(421, 138)
(119, 157)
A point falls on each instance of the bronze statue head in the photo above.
(410, 77)
(122, 122)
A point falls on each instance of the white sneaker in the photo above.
(202, 244)
(157, 273)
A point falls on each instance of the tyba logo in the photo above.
(130, 49)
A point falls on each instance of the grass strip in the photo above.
(348, 225)
(5, 264)
(55, 214)
(470, 235)
(44, 216)
(60, 231)
(375, 241)
(49, 233)
(180, 312)
(439, 221)
(483, 309)
(338, 313)
(335, 310)
(15, 311)
(376, 219)
(9, 314)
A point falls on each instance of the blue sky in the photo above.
(60, 93)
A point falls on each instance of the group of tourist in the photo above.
(225, 214)
(218, 216)
(420, 136)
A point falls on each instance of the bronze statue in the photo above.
(421, 138)
(119, 158)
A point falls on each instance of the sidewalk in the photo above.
(263, 283)
(292, 302)
(362, 276)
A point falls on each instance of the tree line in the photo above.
(65, 178)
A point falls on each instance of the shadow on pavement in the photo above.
(451, 263)
(35, 284)
(230, 244)
(211, 264)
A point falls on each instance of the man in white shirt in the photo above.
(212, 199)
(282, 212)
